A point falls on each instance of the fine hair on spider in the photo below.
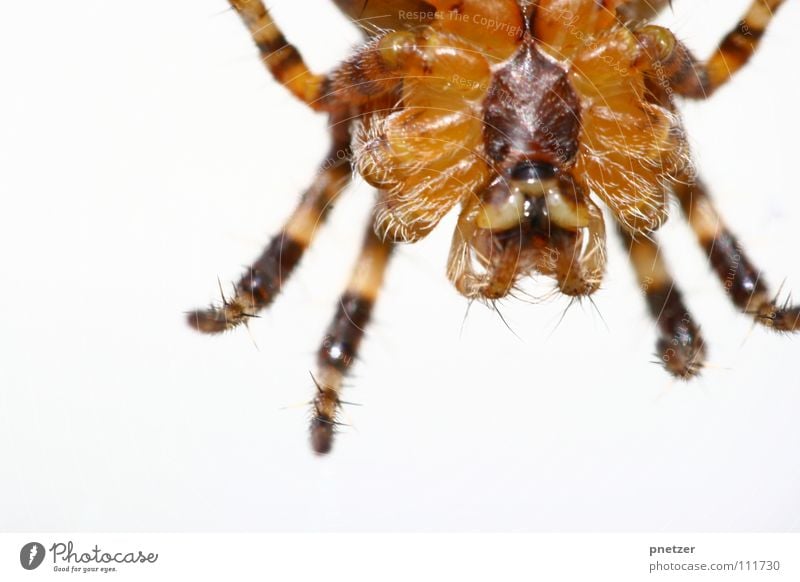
(529, 117)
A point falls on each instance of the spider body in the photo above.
(528, 116)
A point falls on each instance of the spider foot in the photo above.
(215, 320)
(322, 432)
(784, 318)
(683, 359)
(323, 422)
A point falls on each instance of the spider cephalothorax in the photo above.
(527, 116)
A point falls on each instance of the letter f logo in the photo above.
(31, 555)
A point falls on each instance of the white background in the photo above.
(144, 152)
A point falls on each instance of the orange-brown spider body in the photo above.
(527, 116)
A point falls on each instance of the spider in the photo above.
(528, 116)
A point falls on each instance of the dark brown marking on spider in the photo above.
(531, 112)
(742, 280)
(264, 279)
(280, 57)
(345, 332)
(680, 345)
(681, 348)
(343, 337)
(740, 277)
(270, 47)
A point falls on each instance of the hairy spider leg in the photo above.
(680, 345)
(339, 347)
(263, 280)
(671, 60)
(742, 280)
(282, 59)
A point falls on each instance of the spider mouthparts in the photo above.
(322, 431)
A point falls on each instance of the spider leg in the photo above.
(680, 344)
(282, 59)
(263, 280)
(345, 332)
(672, 62)
(741, 279)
